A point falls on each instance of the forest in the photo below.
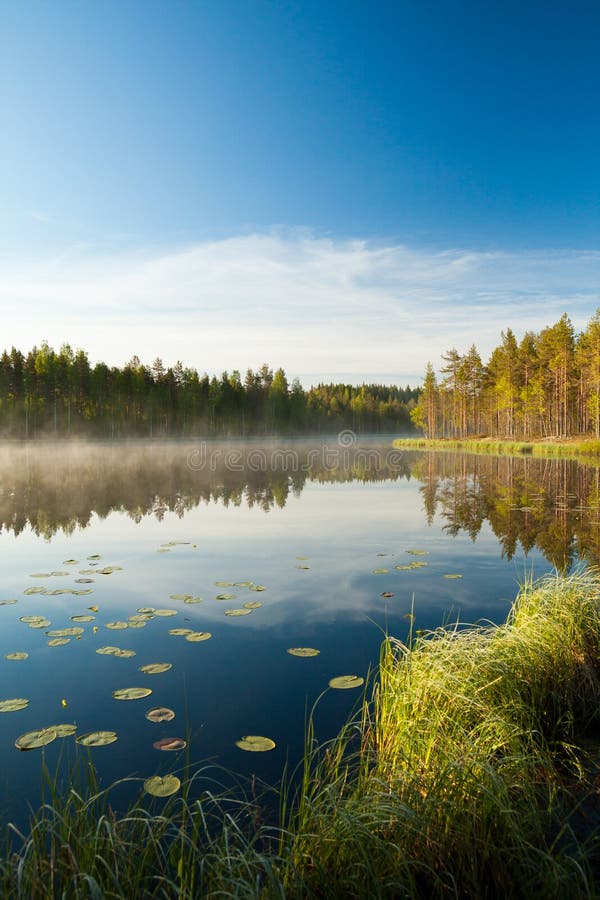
(545, 386)
(45, 393)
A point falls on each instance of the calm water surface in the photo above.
(323, 535)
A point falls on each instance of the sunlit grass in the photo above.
(545, 448)
(459, 777)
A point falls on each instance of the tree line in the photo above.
(546, 385)
(46, 393)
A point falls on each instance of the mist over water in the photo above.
(327, 529)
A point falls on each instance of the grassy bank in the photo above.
(588, 449)
(463, 776)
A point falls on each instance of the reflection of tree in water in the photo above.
(552, 504)
(61, 487)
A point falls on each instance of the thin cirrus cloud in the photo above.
(341, 309)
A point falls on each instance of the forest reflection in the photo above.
(552, 504)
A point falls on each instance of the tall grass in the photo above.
(568, 449)
(461, 777)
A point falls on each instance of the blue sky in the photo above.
(341, 189)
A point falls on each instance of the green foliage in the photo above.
(50, 394)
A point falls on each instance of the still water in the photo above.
(326, 531)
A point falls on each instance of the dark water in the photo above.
(311, 524)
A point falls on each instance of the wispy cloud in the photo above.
(310, 304)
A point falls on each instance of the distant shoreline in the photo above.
(567, 448)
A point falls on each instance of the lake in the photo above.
(188, 533)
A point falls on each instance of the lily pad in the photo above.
(193, 600)
(13, 705)
(170, 744)
(180, 596)
(7, 602)
(115, 651)
(180, 632)
(30, 620)
(344, 682)
(160, 786)
(31, 740)
(34, 590)
(155, 668)
(59, 642)
(70, 562)
(238, 612)
(84, 581)
(380, 571)
(165, 612)
(133, 693)
(304, 652)
(258, 587)
(82, 592)
(255, 743)
(41, 623)
(252, 604)
(242, 584)
(65, 632)
(19, 654)
(116, 626)
(137, 623)
(82, 618)
(148, 610)
(453, 575)
(224, 583)
(196, 636)
(97, 738)
(387, 594)
(418, 552)
(160, 714)
(41, 575)
(63, 731)
(225, 596)
(94, 556)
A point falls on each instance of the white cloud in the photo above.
(315, 306)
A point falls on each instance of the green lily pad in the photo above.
(30, 620)
(255, 743)
(115, 651)
(13, 705)
(165, 612)
(60, 574)
(41, 623)
(225, 596)
(180, 596)
(196, 636)
(160, 786)
(170, 744)
(116, 626)
(258, 587)
(180, 632)
(238, 612)
(108, 570)
(94, 556)
(19, 654)
(344, 682)
(59, 642)
(140, 617)
(97, 738)
(82, 592)
(70, 562)
(73, 631)
(148, 610)
(34, 590)
(160, 714)
(404, 568)
(41, 575)
(303, 567)
(252, 604)
(453, 575)
(380, 571)
(137, 623)
(224, 583)
(418, 552)
(243, 584)
(63, 731)
(84, 581)
(133, 693)
(304, 652)
(82, 618)
(193, 600)
(31, 740)
(7, 602)
(155, 668)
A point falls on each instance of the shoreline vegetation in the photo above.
(470, 770)
(588, 449)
